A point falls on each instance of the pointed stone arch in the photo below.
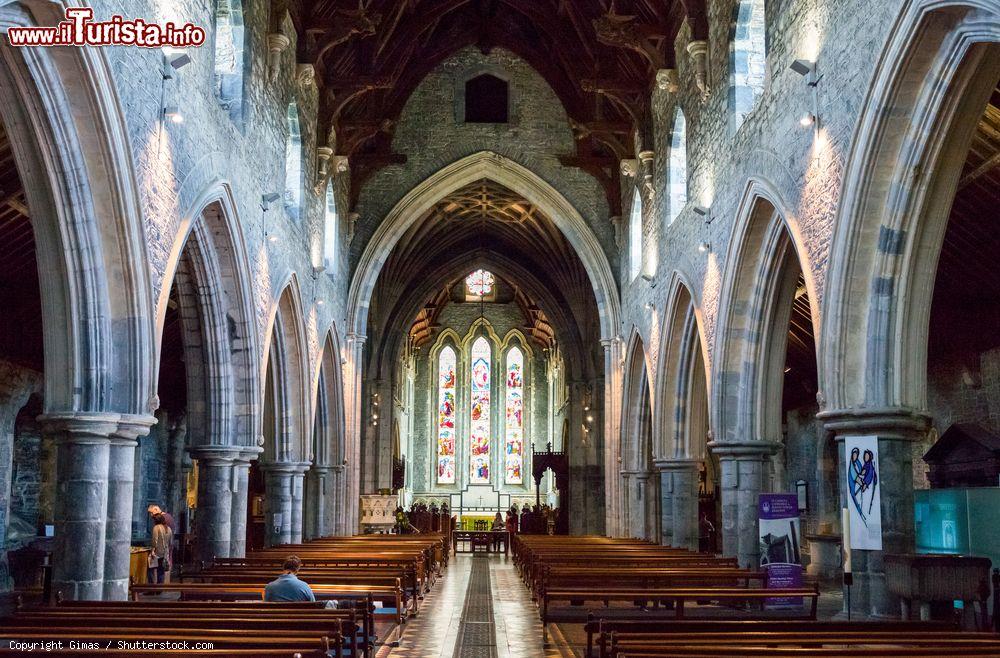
(940, 63)
(763, 265)
(636, 448)
(324, 496)
(286, 417)
(682, 405)
(69, 139)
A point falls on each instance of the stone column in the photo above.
(337, 507)
(298, 498)
(83, 447)
(679, 501)
(625, 524)
(647, 507)
(121, 477)
(613, 374)
(896, 430)
(354, 421)
(240, 501)
(744, 467)
(213, 517)
(280, 499)
(319, 492)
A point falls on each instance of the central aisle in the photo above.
(478, 609)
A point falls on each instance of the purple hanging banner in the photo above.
(780, 552)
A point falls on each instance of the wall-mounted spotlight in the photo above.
(807, 119)
(703, 211)
(174, 59)
(319, 302)
(649, 306)
(807, 69)
(705, 247)
(267, 199)
(173, 114)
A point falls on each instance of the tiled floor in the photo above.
(434, 633)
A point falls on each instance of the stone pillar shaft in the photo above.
(121, 479)
(896, 430)
(281, 500)
(679, 502)
(239, 503)
(744, 468)
(213, 517)
(83, 454)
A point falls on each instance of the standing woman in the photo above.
(162, 539)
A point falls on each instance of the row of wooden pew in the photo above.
(377, 581)
(639, 600)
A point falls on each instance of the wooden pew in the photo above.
(600, 628)
(679, 596)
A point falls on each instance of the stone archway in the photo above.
(493, 167)
(682, 427)
(70, 141)
(286, 420)
(764, 268)
(640, 510)
(206, 308)
(325, 496)
(934, 76)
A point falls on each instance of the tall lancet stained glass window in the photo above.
(479, 448)
(514, 443)
(446, 417)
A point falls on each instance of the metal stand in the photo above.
(848, 581)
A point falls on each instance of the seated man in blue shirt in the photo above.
(287, 586)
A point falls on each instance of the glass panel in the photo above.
(479, 453)
(479, 283)
(514, 445)
(446, 417)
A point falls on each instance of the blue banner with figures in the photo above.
(780, 548)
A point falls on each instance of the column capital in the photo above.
(248, 454)
(81, 426)
(321, 468)
(677, 464)
(131, 427)
(216, 454)
(285, 468)
(893, 423)
(744, 449)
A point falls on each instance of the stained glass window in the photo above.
(479, 453)
(479, 283)
(446, 416)
(514, 444)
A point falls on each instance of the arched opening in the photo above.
(748, 58)
(331, 231)
(689, 473)
(486, 99)
(885, 366)
(206, 390)
(73, 184)
(229, 64)
(641, 508)
(324, 494)
(428, 313)
(27, 477)
(635, 236)
(677, 174)
(767, 374)
(293, 162)
(287, 428)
